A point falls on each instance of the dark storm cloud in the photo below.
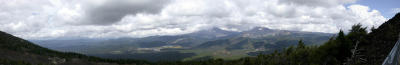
(115, 10)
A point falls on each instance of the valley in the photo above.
(214, 43)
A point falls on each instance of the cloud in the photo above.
(54, 19)
(395, 10)
(325, 3)
(112, 11)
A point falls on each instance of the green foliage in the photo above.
(378, 43)
(10, 62)
(301, 45)
(358, 33)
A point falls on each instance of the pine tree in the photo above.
(301, 45)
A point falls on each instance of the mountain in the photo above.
(255, 41)
(259, 36)
(213, 43)
(17, 51)
(88, 45)
(137, 48)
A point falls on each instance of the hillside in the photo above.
(17, 51)
(380, 41)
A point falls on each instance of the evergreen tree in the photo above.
(301, 45)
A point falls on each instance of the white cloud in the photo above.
(396, 10)
(325, 3)
(58, 18)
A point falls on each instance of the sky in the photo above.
(57, 19)
(388, 8)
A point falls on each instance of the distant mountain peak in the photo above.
(211, 31)
(216, 29)
(260, 28)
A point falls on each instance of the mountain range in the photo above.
(212, 43)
